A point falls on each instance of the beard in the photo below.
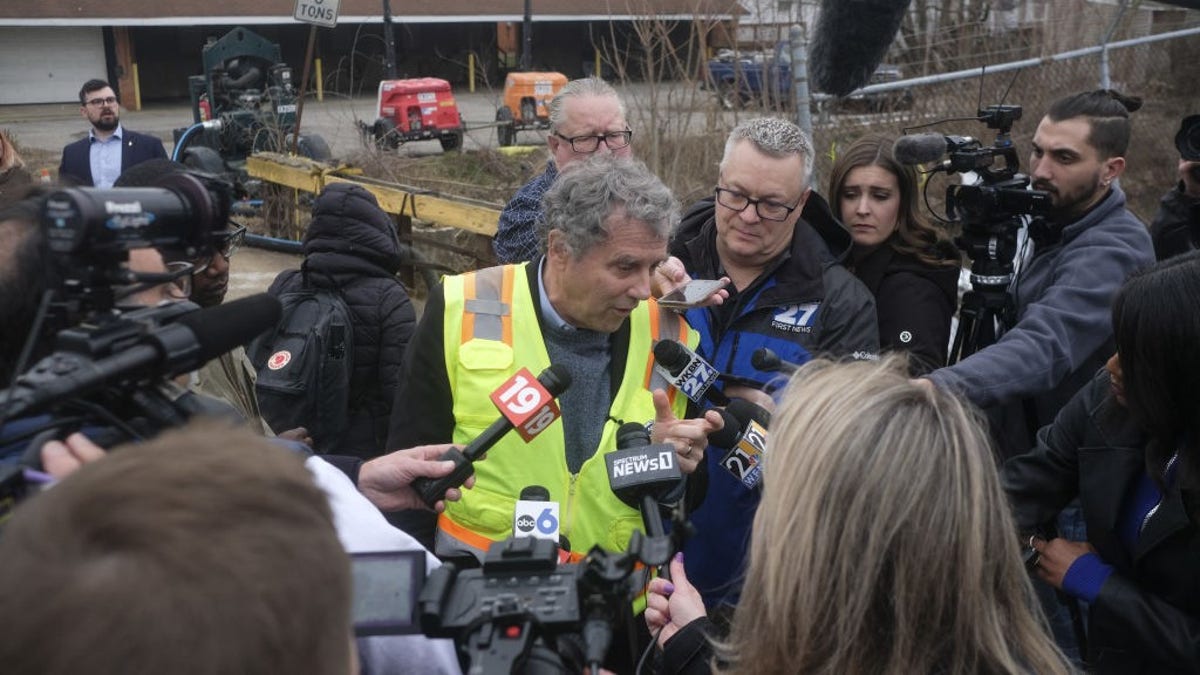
(106, 123)
(1064, 208)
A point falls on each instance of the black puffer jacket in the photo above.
(351, 246)
(914, 300)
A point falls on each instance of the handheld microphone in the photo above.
(185, 344)
(688, 372)
(640, 474)
(766, 359)
(532, 408)
(851, 40)
(745, 437)
(535, 515)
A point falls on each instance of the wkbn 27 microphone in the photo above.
(852, 38)
(185, 344)
(745, 437)
(524, 406)
(640, 474)
(688, 372)
(767, 360)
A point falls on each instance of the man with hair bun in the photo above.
(1070, 267)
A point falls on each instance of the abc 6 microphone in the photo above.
(537, 516)
(526, 404)
(744, 437)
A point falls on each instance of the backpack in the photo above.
(304, 366)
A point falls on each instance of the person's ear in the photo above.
(1113, 168)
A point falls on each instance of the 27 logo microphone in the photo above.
(688, 372)
(745, 437)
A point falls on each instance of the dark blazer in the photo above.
(76, 165)
(1147, 616)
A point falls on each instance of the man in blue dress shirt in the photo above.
(108, 149)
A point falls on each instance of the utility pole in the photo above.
(527, 38)
(389, 42)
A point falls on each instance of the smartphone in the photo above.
(692, 294)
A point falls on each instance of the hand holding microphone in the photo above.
(688, 436)
(525, 404)
(387, 481)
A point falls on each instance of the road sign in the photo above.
(319, 12)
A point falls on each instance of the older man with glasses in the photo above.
(587, 117)
(780, 245)
(109, 149)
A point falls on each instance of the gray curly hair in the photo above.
(586, 193)
(776, 138)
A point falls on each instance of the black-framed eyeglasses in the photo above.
(97, 102)
(613, 140)
(224, 243)
(766, 209)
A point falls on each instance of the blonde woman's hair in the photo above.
(883, 543)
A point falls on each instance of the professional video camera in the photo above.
(110, 366)
(524, 613)
(989, 212)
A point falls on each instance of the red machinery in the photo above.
(415, 110)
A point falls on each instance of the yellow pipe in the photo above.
(320, 81)
(137, 88)
(597, 62)
(471, 72)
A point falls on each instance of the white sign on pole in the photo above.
(319, 12)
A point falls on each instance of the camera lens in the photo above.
(1188, 138)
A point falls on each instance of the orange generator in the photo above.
(526, 102)
(416, 109)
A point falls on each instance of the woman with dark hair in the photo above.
(909, 265)
(1128, 446)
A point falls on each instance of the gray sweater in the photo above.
(1063, 314)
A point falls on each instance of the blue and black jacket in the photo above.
(806, 305)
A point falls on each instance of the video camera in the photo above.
(522, 612)
(110, 363)
(991, 211)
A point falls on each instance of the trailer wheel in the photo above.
(452, 141)
(505, 132)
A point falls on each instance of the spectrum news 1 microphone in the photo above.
(640, 474)
(185, 344)
(745, 437)
(536, 515)
(688, 372)
(767, 360)
(851, 40)
(525, 404)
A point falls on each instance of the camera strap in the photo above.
(1044, 233)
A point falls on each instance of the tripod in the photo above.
(981, 307)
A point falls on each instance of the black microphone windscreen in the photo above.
(671, 355)
(555, 379)
(919, 149)
(535, 493)
(632, 435)
(852, 38)
(221, 328)
(745, 411)
(727, 436)
(765, 359)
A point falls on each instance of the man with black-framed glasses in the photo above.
(587, 117)
(97, 159)
(781, 247)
